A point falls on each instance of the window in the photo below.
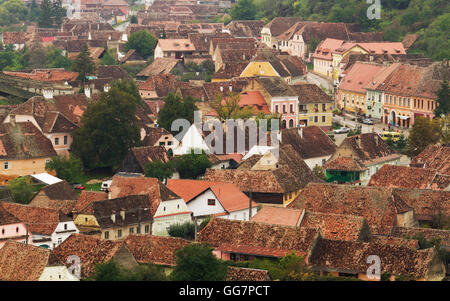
(211, 202)
(17, 229)
(131, 230)
(138, 230)
(119, 233)
(284, 108)
(323, 118)
(6, 165)
(169, 142)
(162, 143)
(316, 119)
(56, 141)
(65, 226)
(147, 229)
(324, 107)
(291, 108)
(276, 108)
(3, 231)
(65, 140)
(86, 219)
(106, 234)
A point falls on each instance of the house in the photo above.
(244, 240)
(162, 65)
(91, 251)
(227, 56)
(138, 157)
(311, 143)
(410, 177)
(53, 75)
(16, 39)
(351, 93)
(267, 63)
(24, 150)
(246, 274)
(83, 212)
(314, 106)
(275, 28)
(225, 40)
(161, 137)
(435, 157)
(56, 117)
(23, 262)
(174, 48)
(349, 259)
(369, 150)
(206, 198)
(12, 229)
(244, 28)
(228, 71)
(157, 250)
(427, 233)
(192, 139)
(159, 86)
(376, 204)
(132, 57)
(120, 217)
(48, 227)
(344, 170)
(279, 216)
(57, 196)
(166, 208)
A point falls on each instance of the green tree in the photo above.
(129, 87)
(185, 230)
(192, 165)
(83, 63)
(443, 100)
(243, 10)
(176, 108)
(196, 262)
(143, 42)
(159, 170)
(133, 19)
(109, 129)
(21, 190)
(228, 107)
(145, 272)
(69, 169)
(424, 132)
(45, 14)
(109, 58)
(108, 271)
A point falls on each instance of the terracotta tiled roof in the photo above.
(131, 55)
(189, 189)
(89, 249)
(257, 238)
(147, 154)
(344, 164)
(46, 75)
(161, 65)
(22, 140)
(351, 256)
(153, 135)
(162, 84)
(434, 157)
(403, 177)
(359, 76)
(122, 186)
(246, 274)
(230, 70)
(395, 241)
(310, 142)
(41, 221)
(176, 45)
(87, 197)
(278, 216)
(427, 233)
(155, 249)
(13, 37)
(21, 262)
(60, 191)
(66, 206)
(112, 71)
(245, 28)
(375, 204)
(7, 218)
(280, 24)
(202, 41)
(310, 93)
(255, 100)
(409, 40)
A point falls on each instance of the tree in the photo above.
(185, 230)
(129, 87)
(69, 169)
(176, 108)
(108, 271)
(45, 14)
(196, 262)
(83, 63)
(192, 165)
(229, 108)
(243, 10)
(21, 190)
(424, 132)
(109, 58)
(443, 100)
(133, 20)
(143, 42)
(109, 130)
(159, 170)
(319, 172)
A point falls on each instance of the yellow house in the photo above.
(24, 150)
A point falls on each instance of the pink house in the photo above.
(12, 228)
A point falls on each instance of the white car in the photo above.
(342, 130)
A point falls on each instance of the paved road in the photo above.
(122, 27)
(316, 79)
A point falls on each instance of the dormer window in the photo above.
(6, 165)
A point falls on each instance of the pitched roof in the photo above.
(434, 157)
(60, 191)
(112, 71)
(351, 256)
(155, 249)
(279, 25)
(46, 75)
(87, 197)
(41, 221)
(176, 45)
(161, 65)
(427, 233)
(162, 84)
(154, 134)
(359, 76)
(12, 37)
(310, 93)
(21, 262)
(246, 274)
(22, 140)
(255, 100)
(131, 55)
(375, 204)
(66, 206)
(245, 28)
(136, 208)
(309, 142)
(89, 249)
(257, 238)
(404, 177)
(7, 218)
(278, 216)
(157, 192)
(344, 164)
(147, 154)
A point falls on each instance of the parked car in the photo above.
(106, 185)
(78, 186)
(394, 136)
(342, 130)
(368, 121)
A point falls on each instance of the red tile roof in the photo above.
(278, 216)
(344, 164)
(46, 75)
(87, 197)
(434, 157)
(246, 274)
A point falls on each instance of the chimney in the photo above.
(89, 37)
(48, 94)
(231, 88)
(87, 91)
(221, 88)
(300, 132)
